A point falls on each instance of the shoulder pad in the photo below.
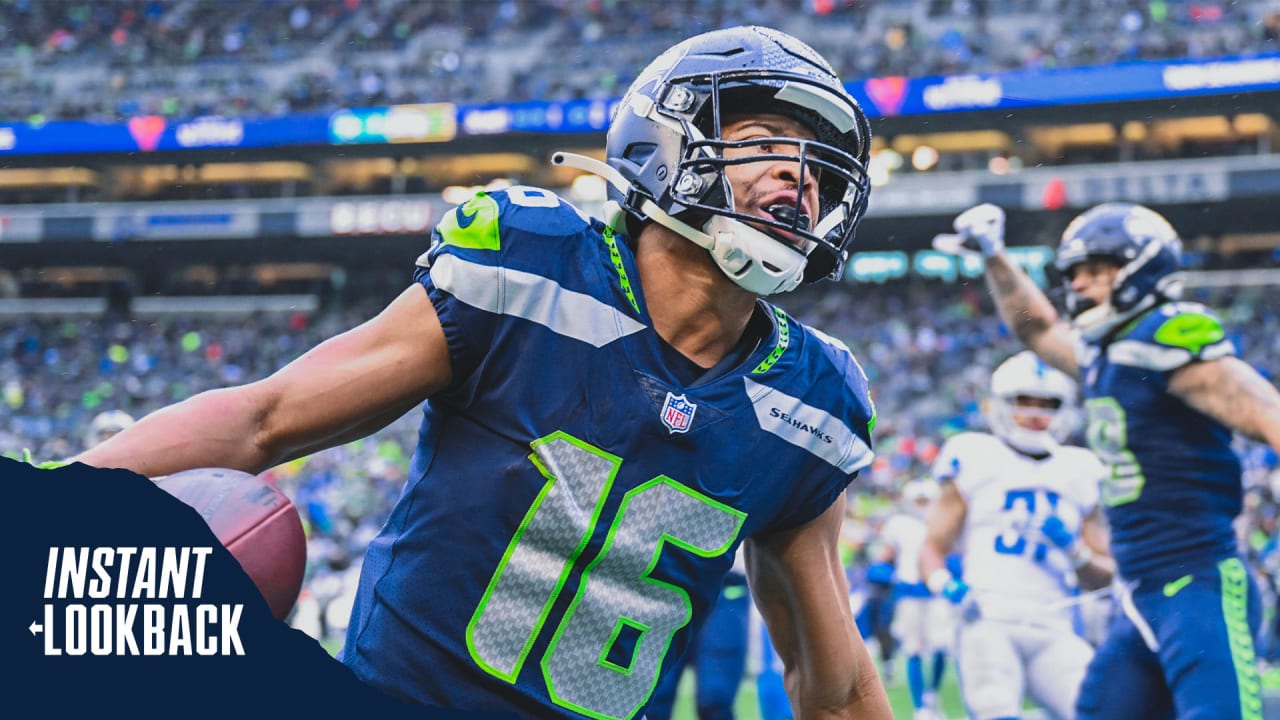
(1171, 336)
(959, 449)
(1090, 466)
(539, 212)
(855, 378)
(473, 224)
(1190, 326)
(489, 218)
(1087, 475)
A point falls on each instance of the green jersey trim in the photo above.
(1235, 614)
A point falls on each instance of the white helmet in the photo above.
(1025, 374)
(104, 425)
(919, 490)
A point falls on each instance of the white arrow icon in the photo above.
(34, 628)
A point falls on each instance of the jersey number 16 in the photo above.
(584, 666)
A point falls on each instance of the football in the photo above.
(255, 521)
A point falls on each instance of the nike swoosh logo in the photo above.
(1172, 588)
(465, 220)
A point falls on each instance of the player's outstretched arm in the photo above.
(1026, 310)
(800, 589)
(345, 388)
(943, 526)
(1022, 305)
(1233, 393)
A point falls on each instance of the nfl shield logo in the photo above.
(677, 413)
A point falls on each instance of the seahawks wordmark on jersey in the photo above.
(573, 504)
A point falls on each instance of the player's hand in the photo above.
(942, 582)
(880, 573)
(979, 231)
(1056, 532)
(955, 591)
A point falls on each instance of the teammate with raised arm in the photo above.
(610, 408)
(1164, 391)
(1027, 508)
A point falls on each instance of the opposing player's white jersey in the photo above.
(905, 534)
(1020, 640)
(921, 622)
(1013, 569)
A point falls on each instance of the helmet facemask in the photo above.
(1025, 376)
(105, 425)
(702, 186)
(1144, 247)
(668, 154)
(1003, 412)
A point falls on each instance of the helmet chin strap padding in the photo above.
(754, 260)
(1093, 320)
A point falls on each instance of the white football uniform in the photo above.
(1024, 636)
(921, 621)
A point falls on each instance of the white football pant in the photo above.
(923, 625)
(997, 661)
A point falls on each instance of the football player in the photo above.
(718, 656)
(771, 695)
(875, 614)
(922, 622)
(610, 407)
(1027, 508)
(1164, 391)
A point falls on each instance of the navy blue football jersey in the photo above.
(572, 504)
(1174, 485)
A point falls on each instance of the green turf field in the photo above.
(746, 707)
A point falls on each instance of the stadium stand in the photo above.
(186, 58)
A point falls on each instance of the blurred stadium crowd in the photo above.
(928, 349)
(184, 58)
